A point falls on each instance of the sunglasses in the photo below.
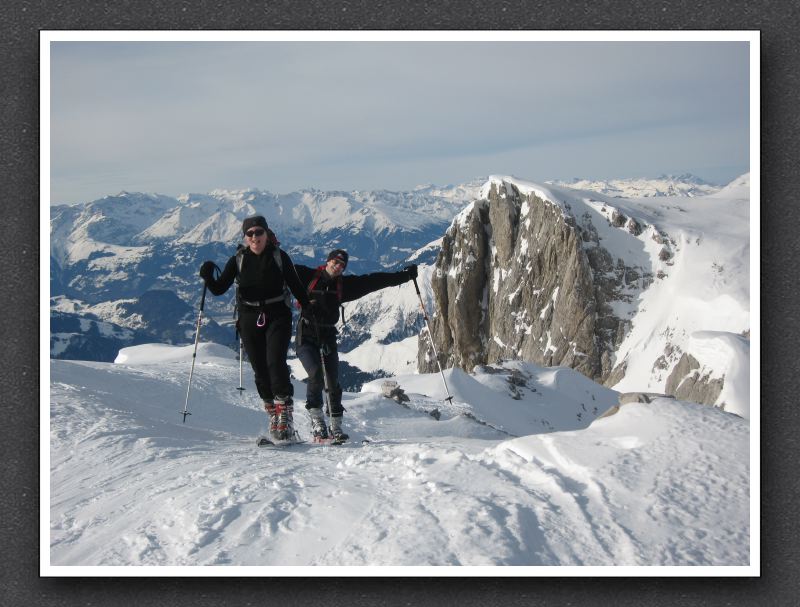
(254, 233)
(338, 262)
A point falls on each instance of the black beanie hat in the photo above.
(252, 222)
(339, 254)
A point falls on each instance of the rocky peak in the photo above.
(522, 275)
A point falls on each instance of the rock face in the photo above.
(687, 382)
(543, 284)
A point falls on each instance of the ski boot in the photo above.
(318, 428)
(337, 435)
(285, 426)
(269, 407)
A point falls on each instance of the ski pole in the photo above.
(194, 354)
(430, 338)
(241, 359)
(325, 379)
(239, 339)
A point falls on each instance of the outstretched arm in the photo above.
(355, 287)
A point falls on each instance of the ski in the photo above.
(327, 441)
(264, 442)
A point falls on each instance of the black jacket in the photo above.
(261, 279)
(326, 291)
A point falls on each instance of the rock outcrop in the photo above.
(687, 381)
(521, 276)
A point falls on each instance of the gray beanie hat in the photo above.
(252, 222)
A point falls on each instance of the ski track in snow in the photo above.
(131, 485)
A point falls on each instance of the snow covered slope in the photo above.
(702, 285)
(690, 262)
(517, 471)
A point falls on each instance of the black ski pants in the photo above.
(267, 348)
(308, 352)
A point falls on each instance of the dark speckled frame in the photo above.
(21, 242)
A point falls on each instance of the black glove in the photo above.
(207, 270)
(411, 271)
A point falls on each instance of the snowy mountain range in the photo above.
(107, 254)
(666, 185)
(373, 225)
(124, 272)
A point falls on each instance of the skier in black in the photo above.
(328, 289)
(263, 271)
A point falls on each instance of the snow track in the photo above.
(664, 484)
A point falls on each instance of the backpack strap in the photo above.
(286, 296)
(316, 278)
(276, 255)
(339, 288)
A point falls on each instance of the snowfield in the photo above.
(518, 476)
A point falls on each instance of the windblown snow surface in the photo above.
(513, 477)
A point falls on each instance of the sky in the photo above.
(190, 116)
